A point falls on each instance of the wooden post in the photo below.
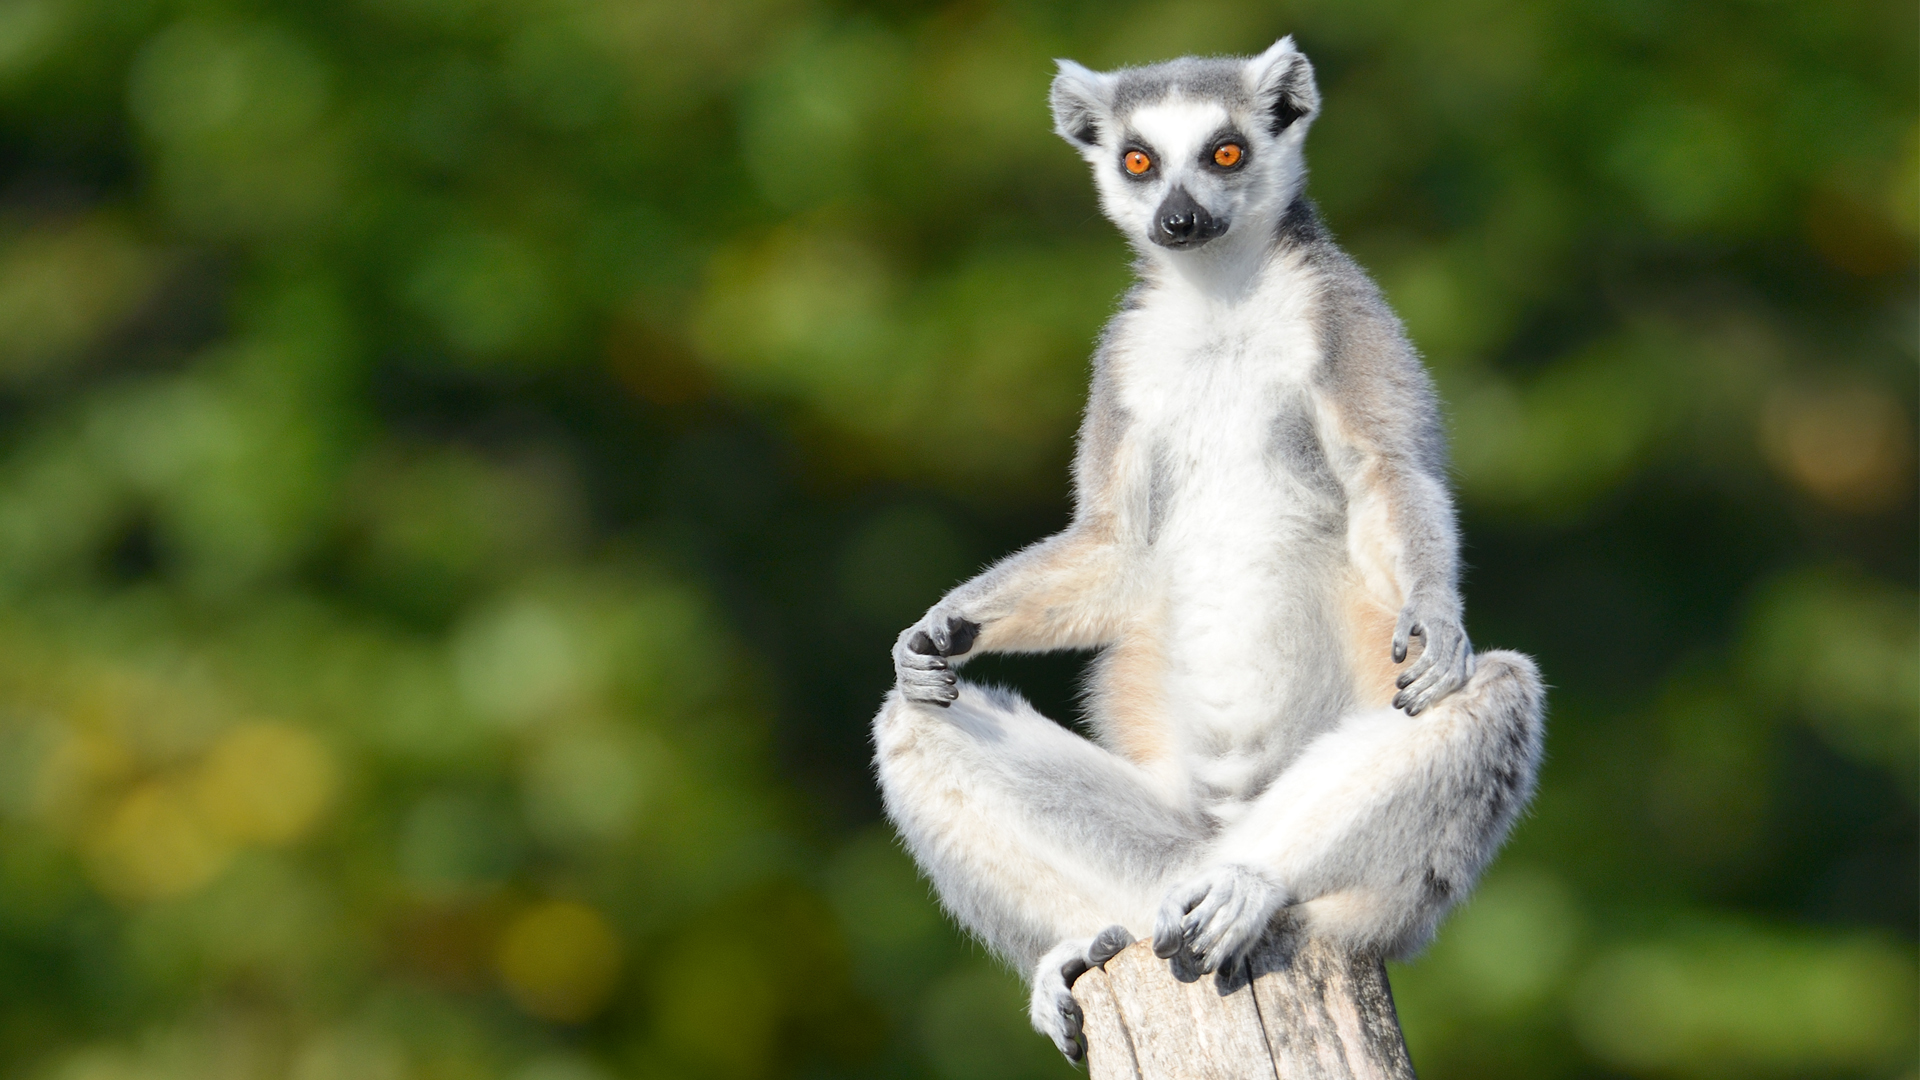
(1308, 1013)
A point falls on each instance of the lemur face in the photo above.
(1187, 152)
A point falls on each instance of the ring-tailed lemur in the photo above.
(1287, 712)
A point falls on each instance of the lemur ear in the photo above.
(1282, 82)
(1079, 100)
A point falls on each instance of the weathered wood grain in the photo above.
(1101, 1011)
(1309, 1013)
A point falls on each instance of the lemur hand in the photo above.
(1445, 661)
(1051, 1006)
(1217, 916)
(920, 656)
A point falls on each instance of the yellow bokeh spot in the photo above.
(152, 845)
(265, 782)
(559, 960)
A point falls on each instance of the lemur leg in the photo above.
(1037, 840)
(1377, 829)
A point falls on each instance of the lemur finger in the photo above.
(1168, 932)
(1436, 666)
(1168, 936)
(1425, 701)
(1438, 683)
(1072, 1025)
(1414, 698)
(1210, 896)
(1409, 692)
(1051, 1007)
(1404, 629)
(1221, 923)
(1202, 931)
(1420, 666)
(922, 644)
(1075, 967)
(1108, 944)
(928, 677)
(1228, 925)
(1073, 1048)
(1235, 950)
(1439, 662)
(921, 661)
(917, 686)
(1206, 942)
(960, 635)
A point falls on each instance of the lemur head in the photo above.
(1193, 150)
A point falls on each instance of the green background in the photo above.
(464, 463)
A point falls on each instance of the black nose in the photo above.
(1181, 222)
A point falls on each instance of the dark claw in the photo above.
(1403, 680)
(1399, 701)
(1399, 652)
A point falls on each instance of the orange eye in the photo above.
(1138, 162)
(1227, 156)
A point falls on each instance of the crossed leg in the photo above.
(1376, 830)
(1039, 841)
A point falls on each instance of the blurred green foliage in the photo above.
(464, 462)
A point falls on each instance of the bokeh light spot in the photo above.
(559, 961)
(1849, 446)
(266, 782)
(153, 845)
(520, 661)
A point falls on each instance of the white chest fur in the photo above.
(1245, 524)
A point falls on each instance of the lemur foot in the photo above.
(920, 656)
(1217, 916)
(1052, 1009)
(1445, 662)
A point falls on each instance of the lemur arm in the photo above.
(1064, 592)
(1381, 414)
(1060, 593)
